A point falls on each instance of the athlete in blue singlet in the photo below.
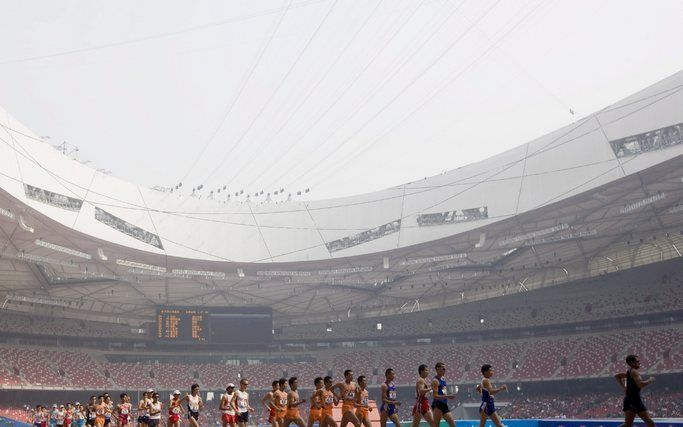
(388, 409)
(487, 409)
(441, 396)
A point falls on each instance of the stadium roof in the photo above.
(585, 199)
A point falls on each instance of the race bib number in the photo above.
(176, 410)
(364, 401)
(392, 395)
(329, 400)
(350, 395)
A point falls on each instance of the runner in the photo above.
(293, 403)
(330, 400)
(100, 409)
(38, 416)
(194, 404)
(315, 414)
(631, 382)
(143, 409)
(280, 402)
(108, 409)
(154, 408)
(363, 402)
(267, 401)
(123, 410)
(441, 396)
(421, 408)
(53, 415)
(389, 409)
(240, 403)
(347, 394)
(487, 409)
(44, 416)
(68, 415)
(79, 415)
(229, 418)
(60, 414)
(175, 409)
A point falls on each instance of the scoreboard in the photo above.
(183, 324)
(215, 325)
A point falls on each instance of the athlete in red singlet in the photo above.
(175, 409)
(267, 401)
(421, 408)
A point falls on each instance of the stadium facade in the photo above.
(468, 234)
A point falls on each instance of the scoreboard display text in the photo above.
(215, 325)
(182, 324)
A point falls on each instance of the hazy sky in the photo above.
(340, 96)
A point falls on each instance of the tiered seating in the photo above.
(130, 375)
(576, 356)
(305, 371)
(216, 376)
(649, 345)
(544, 357)
(592, 354)
(457, 359)
(502, 356)
(174, 375)
(261, 375)
(21, 323)
(33, 366)
(8, 378)
(79, 368)
(365, 361)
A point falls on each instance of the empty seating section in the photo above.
(504, 357)
(32, 365)
(79, 368)
(544, 357)
(217, 376)
(593, 354)
(575, 356)
(174, 375)
(8, 377)
(130, 376)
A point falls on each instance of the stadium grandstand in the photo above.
(551, 262)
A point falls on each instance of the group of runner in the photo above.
(283, 403)
(97, 413)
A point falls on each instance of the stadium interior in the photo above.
(553, 290)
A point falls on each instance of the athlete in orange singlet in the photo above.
(280, 402)
(316, 412)
(362, 402)
(329, 401)
(348, 391)
(293, 403)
